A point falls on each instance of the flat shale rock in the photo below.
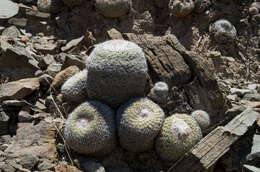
(8, 9)
(16, 63)
(37, 140)
(18, 89)
(165, 62)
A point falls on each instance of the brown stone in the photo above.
(18, 89)
(66, 168)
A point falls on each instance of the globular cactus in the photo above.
(90, 129)
(202, 118)
(223, 31)
(181, 8)
(75, 88)
(139, 122)
(159, 93)
(254, 8)
(49, 6)
(179, 134)
(117, 71)
(113, 8)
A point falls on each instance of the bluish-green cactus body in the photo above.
(179, 134)
(138, 122)
(90, 129)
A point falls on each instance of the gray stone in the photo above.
(91, 166)
(253, 86)
(13, 103)
(4, 119)
(114, 34)
(16, 63)
(252, 97)
(6, 167)
(22, 22)
(25, 116)
(254, 156)
(18, 89)
(240, 92)
(46, 165)
(45, 61)
(45, 80)
(72, 43)
(11, 32)
(250, 168)
(5, 140)
(233, 97)
(71, 60)
(8, 9)
(54, 69)
(29, 162)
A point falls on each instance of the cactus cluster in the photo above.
(202, 118)
(115, 76)
(181, 8)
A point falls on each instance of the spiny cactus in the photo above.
(113, 8)
(179, 134)
(159, 93)
(202, 118)
(90, 129)
(117, 72)
(138, 122)
(74, 89)
(223, 31)
(181, 8)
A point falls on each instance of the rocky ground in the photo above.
(39, 51)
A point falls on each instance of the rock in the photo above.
(45, 165)
(22, 22)
(45, 61)
(253, 86)
(63, 76)
(6, 167)
(5, 140)
(11, 32)
(13, 103)
(25, 116)
(254, 157)
(29, 161)
(66, 168)
(201, 5)
(37, 14)
(34, 140)
(233, 97)
(45, 80)
(8, 9)
(46, 47)
(4, 119)
(240, 92)
(70, 60)
(91, 166)
(234, 111)
(17, 63)
(166, 63)
(53, 69)
(114, 34)
(72, 43)
(250, 168)
(252, 97)
(18, 89)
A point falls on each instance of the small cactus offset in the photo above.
(49, 6)
(159, 93)
(202, 118)
(139, 121)
(179, 134)
(223, 31)
(74, 89)
(113, 8)
(90, 129)
(181, 8)
(117, 72)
